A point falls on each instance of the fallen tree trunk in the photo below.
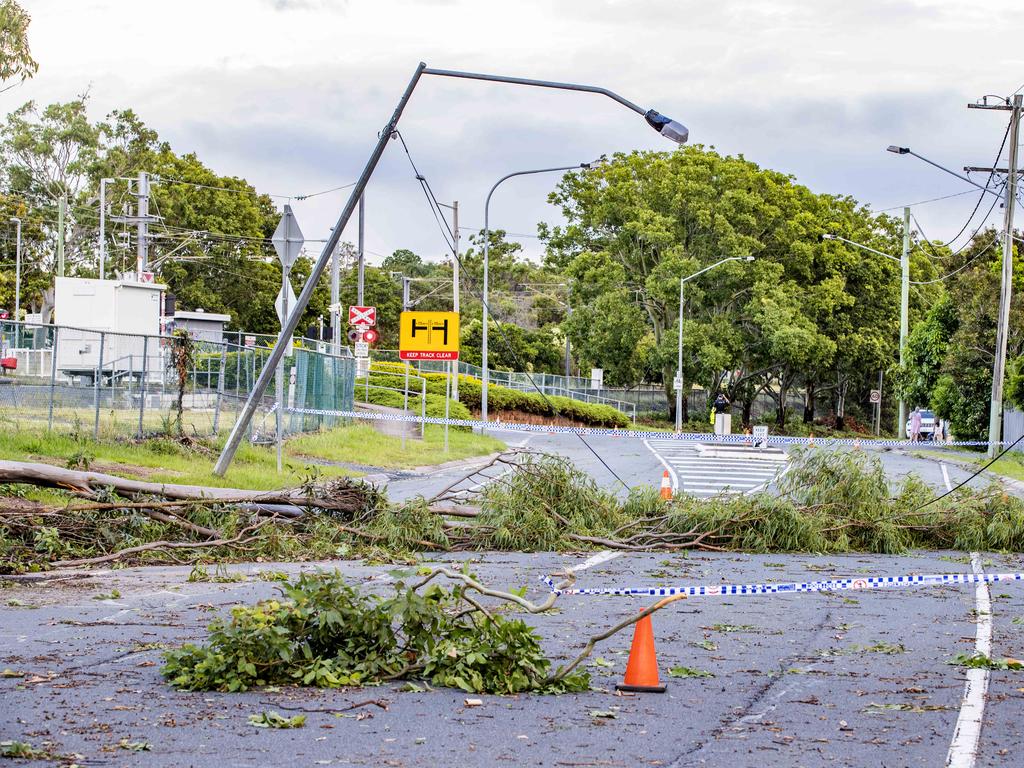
(286, 501)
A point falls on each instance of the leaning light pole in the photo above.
(665, 126)
(485, 298)
(679, 363)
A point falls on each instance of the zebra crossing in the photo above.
(706, 469)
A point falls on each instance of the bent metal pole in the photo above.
(665, 126)
(289, 325)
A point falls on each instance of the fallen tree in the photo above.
(830, 501)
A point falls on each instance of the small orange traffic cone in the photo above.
(642, 667)
(666, 486)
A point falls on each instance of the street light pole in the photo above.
(487, 243)
(679, 364)
(904, 314)
(665, 126)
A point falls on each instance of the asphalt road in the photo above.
(617, 462)
(829, 679)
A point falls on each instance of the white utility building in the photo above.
(125, 310)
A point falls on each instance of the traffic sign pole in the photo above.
(288, 241)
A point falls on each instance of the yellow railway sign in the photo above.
(429, 336)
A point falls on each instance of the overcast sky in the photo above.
(290, 94)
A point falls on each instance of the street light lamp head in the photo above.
(897, 150)
(826, 236)
(667, 127)
(749, 258)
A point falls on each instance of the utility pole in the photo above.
(61, 208)
(336, 300)
(568, 347)
(995, 418)
(143, 214)
(17, 272)
(362, 260)
(103, 228)
(904, 314)
(454, 367)
(455, 294)
(141, 220)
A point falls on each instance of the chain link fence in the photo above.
(123, 385)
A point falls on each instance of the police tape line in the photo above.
(702, 437)
(830, 585)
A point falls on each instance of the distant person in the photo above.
(940, 427)
(721, 405)
(915, 426)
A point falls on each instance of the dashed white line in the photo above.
(963, 750)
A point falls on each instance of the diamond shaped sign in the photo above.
(288, 238)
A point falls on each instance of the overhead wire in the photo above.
(959, 269)
(435, 206)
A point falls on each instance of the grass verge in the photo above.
(1011, 465)
(362, 444)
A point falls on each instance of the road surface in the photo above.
(829, 679)
(610, 459)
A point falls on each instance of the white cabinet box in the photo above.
(125, 311)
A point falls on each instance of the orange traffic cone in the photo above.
(666, 486)
(642, 667)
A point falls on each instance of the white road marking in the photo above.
(963, 750)
(671, 472)
(710, 474)
(945, 477)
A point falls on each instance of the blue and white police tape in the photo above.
(632, 433)
(830, 585)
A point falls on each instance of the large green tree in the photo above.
(640, 222)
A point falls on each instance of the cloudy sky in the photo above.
(290, 94)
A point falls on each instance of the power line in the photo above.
(251, 192)
(922, 202)
(960, 268)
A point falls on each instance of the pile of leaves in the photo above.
(323, 632)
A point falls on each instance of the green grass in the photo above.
(157, 460)
(1011, 465)
(254, 467)
(361, 444)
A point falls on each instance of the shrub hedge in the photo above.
(501, 399)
